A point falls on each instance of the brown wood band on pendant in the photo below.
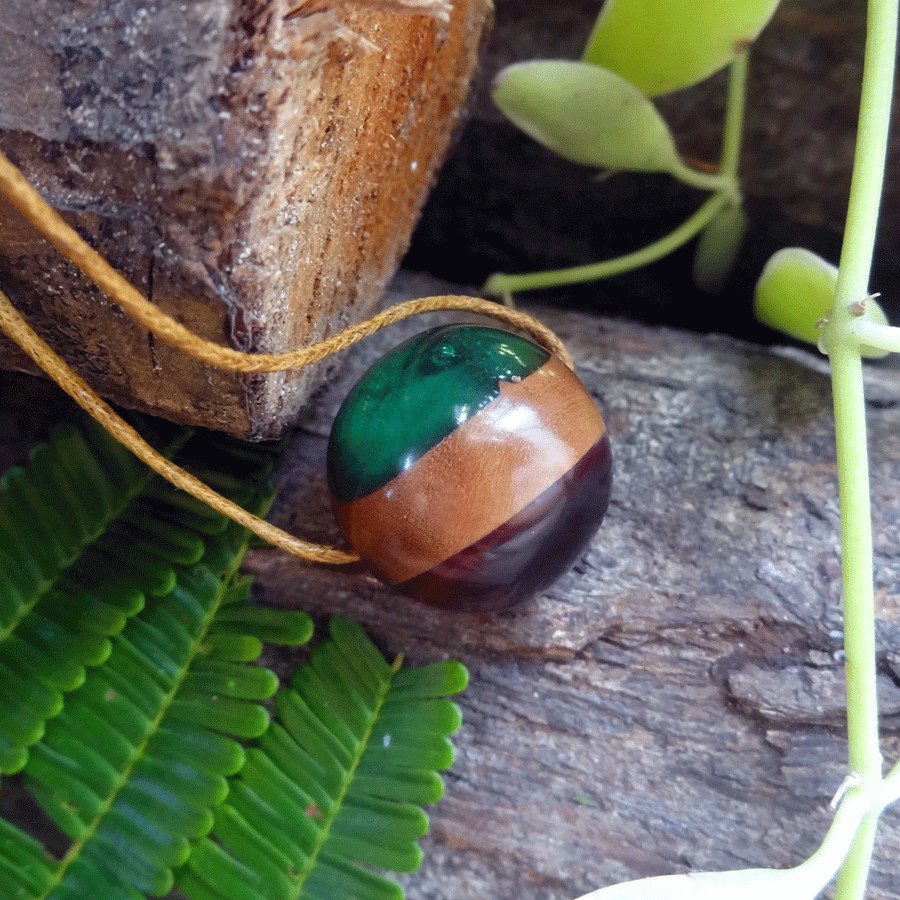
(526, 454)
(529, 552)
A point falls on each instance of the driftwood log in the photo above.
(254, 167)
(674, 703)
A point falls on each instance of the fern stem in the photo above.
(328, 820)
(140, 749)
(134, 489)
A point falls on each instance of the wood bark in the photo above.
(254, 167)
(675, 703)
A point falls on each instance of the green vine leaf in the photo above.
(335, 786)
(586, 114)
(132, 766)
(796, 290)
(661, 46)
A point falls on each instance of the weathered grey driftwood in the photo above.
(675, 702)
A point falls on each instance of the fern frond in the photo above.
(63, 590)
(123, 668)
(334, 787)
(133, 765)
(87, 534)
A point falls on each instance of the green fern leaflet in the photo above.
(130, 706)
(132, 764)
(56, 534)
(334, 787)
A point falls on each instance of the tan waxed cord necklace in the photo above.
(42, 216)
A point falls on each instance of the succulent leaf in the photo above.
(586, 114)
(797, 289)
(718, 248)
(661, 46)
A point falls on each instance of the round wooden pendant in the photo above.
(469, 468)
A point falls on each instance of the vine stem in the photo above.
(726, 192)
(735, 103)
(803, 882)
(717, 182)
(499, 283)
(873, 334)
(850, 428)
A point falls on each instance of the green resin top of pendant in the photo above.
(415, 396)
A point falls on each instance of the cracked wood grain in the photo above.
(675, 701)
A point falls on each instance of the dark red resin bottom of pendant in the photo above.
(530, 551)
